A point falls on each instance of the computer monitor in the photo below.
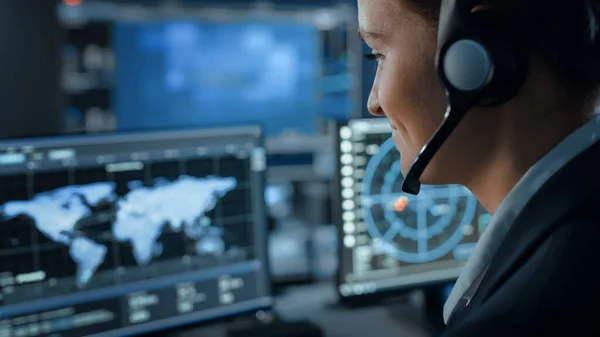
(199, 72)
(117, 235)
(288, 238)
(145, 66)
(389, 240)
(340, 95)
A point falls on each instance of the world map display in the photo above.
(139, 217)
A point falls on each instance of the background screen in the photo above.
(188, 74)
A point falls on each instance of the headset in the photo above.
(480, 62)
(483, 58)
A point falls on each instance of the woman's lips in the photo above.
(393, 127)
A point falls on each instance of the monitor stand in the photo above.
(268, 325)
(424, 311)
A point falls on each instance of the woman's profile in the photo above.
(533, 161)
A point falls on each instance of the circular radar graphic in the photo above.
(412, 228)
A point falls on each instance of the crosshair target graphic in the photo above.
(413, 229)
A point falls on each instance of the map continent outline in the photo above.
(140, 216)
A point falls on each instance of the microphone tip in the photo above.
(411, 186)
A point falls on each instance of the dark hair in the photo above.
(561, 32)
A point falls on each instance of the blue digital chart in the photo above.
(181, 74)
(414, 229)
(391, 238)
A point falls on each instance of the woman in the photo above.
(533, 162)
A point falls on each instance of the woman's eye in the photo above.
(373, 57)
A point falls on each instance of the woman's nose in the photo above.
(373, 105)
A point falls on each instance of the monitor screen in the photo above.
(121, 234)
(289, 254)
(338, 81)
(390, 240)
(180, 73)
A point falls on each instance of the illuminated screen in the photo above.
(187, 74)
(389, 239)
(118, 235)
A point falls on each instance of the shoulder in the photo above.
(554, 290)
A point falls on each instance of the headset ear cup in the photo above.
(467, 65)
(495, 71)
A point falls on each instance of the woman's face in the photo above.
(406, 88)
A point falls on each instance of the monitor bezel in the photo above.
(254, 132)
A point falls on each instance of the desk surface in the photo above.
(317, 304)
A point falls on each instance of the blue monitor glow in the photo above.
(390, 241)
(117, 235)
(175, 74)
(337, 101)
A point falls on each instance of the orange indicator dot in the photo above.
(401, 204)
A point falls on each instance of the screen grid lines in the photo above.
(230, 213)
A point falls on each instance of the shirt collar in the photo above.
(577, 142)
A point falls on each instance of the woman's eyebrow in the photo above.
(370, 36)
